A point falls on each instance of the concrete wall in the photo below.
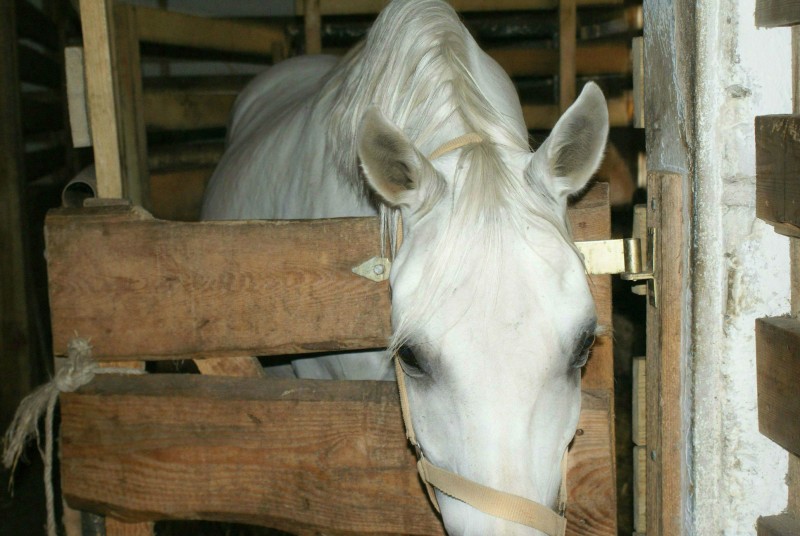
(741, 269)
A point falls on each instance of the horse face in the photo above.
(495, 320)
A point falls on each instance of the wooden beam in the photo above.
(774, 13)
(98, 41)
(544, 116)
(780, 525)
(186, 110)
(613, 58)
(665, 324)
(367, 7)
(169, 28)
(567, 43)
(778, 366)
(312, 19)
(225, 288)
(777, 165)
(302, 456)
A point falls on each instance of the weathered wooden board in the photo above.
(640, 488)
(665, 368)
(544, 116)
(772, 13)
(363, 7)
(145, 288)
(298, 455)
(778, 366)
(186, 110)
(613, 58)
(778, 169)
(780, 525)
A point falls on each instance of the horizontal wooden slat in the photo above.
(145, 288)
(589, 59)
(773, 13)
(778, 366)
(169, 157)
(780, 525)
(186, 110)
(178, 195)
(544, 116)
(170, 28)
(778, 169)
(610, 23)
(299, 455)
(363, 7)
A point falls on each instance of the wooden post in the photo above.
(664, 355)
(98, 44)
(313, 26)
(567, 46)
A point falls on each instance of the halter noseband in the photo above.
(488, 500)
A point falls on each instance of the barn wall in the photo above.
(741, 269)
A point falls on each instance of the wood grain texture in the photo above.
(567, 44)
(773, 13)
(97, 21)
(665, 462)
(186, 110)
(778, 367)
(216, 289)
(298, 455)
(777, 165)
(780, 525)
(639, 402)
(606, 58)
(364, 7)
(169, 28)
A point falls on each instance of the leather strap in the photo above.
(455, 143)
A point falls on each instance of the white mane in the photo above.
(415, 66)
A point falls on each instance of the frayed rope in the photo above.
(79, 371)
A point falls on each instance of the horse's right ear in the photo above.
(394, 167)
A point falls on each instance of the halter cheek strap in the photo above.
(488, 500)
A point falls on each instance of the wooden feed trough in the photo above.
(303, 456)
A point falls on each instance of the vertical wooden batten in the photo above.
(567, 46)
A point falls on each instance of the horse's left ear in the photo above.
(573, 151)
(394, 167)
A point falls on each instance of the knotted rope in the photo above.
(79, 370)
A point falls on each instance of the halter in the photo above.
(488, 500)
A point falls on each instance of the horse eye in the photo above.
(581, 354)
(409, 362)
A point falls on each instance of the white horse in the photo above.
(491, 308)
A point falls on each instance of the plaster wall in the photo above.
(741, 269)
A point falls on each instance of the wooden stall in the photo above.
(778, 339)
(302, 456)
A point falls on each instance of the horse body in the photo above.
(491, 309)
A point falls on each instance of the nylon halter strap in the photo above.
(488, 500)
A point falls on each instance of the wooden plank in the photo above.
(312, 19)
(613, 23)
(297, 455)
(165, 27)
(204, 290)
(778, 367)
(639, 403)
(15, 328)
(178, 195)
(544, 116)
(640, 488)
(665, 323)
(366, 7)
(780, 525)
(777, 165)
(120, 528)
(606, 58)
(245, 366)
(186, 110)
(172, 157)
(638, 82)
(774, 13)
(567, 43)
(128, 80)
(97, 22)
